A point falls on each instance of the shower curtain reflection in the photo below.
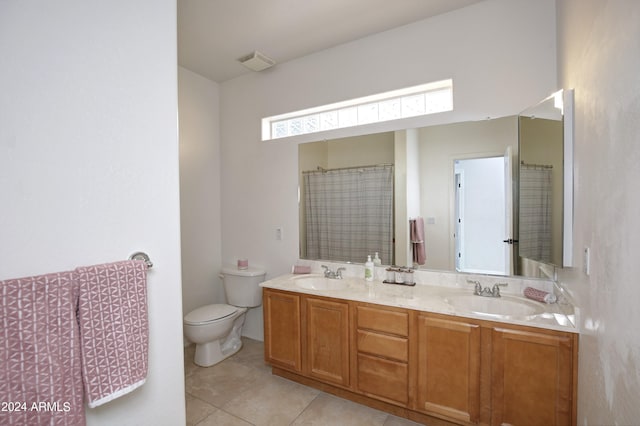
(349, 213)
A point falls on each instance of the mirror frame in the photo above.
(567, 126)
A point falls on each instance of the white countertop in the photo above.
(430, 298)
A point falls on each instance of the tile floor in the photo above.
(241, 391)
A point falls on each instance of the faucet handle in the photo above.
(496, 289)
(327, 271)
(478, 288)
(339, 272)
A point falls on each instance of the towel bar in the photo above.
(139, 255)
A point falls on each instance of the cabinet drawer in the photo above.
(383, 320)
(383, 378)
(383, 345)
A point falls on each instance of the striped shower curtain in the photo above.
(535, 213)
(349, 213)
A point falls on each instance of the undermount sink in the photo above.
(497, 307)
(318, 282)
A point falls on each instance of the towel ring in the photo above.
(139, 255)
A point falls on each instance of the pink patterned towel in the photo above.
(416, 234)
(114, 329)
(539, 295)
(40, 376)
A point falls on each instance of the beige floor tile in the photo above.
(222, 382)
(189, 366)
(197, 410)
(220, 418)
(271, 401)
(328, 410)
(252, 355)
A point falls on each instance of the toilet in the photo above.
(216, 329)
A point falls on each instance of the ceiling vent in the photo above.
(256, 61)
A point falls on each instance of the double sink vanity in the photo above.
(434, 352)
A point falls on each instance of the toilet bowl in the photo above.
(216, 329)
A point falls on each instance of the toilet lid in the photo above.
(209, 313)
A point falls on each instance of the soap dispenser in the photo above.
(368, 269)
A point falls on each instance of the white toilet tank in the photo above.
(242, 286)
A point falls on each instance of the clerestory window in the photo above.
(413, 101)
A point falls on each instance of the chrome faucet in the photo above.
(486, 291)
(328, 273)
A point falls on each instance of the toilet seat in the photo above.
(209, 313)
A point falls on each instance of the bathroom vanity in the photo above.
(428, 353)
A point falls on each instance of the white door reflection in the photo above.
(481, 215)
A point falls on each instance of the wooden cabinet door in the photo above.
(282, 340)
(531, 378)
(327, 340)
(449, 368)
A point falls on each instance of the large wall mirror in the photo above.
(458, 182)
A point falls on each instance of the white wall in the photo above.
(598, 45)
(198, 108)
(500, 54)
(89, 163)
